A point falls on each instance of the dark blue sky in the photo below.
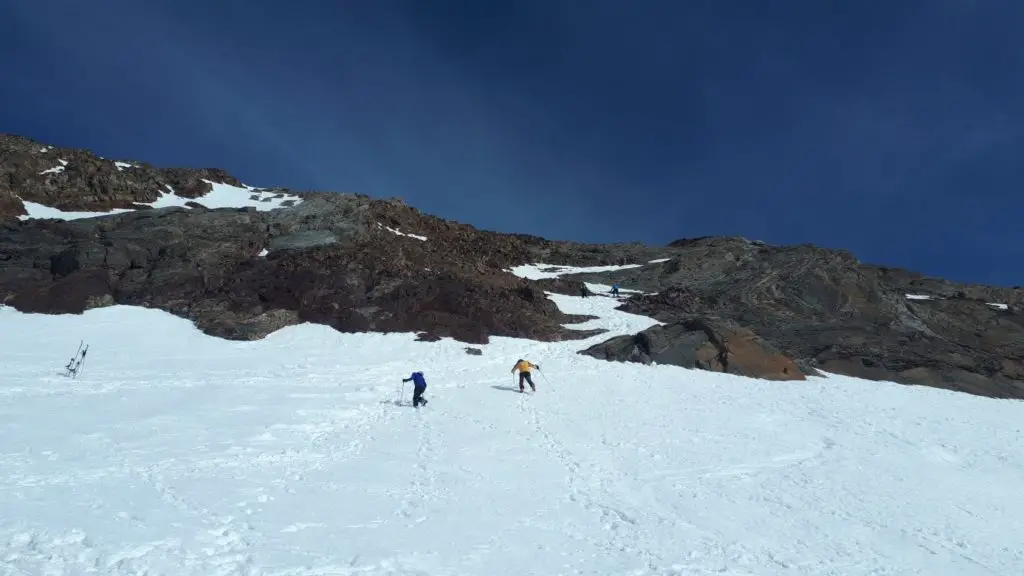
(893, 129)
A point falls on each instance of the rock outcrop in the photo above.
(329, 260)
(360, 264)
(706, 344)
(829, 312)
(77, 180)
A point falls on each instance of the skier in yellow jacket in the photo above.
(524, 373)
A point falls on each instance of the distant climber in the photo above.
(419, 386)
(615, 290)
(524, 373)
(583, 290)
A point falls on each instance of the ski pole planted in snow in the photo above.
(71, 362)
(74, 365)
(81, 363)
(544, 376)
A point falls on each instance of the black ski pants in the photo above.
(525, 376)
(417, 395)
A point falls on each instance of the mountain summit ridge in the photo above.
(242, 262)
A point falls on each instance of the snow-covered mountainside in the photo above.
(79, 231)
(176, 453)
(219, 196)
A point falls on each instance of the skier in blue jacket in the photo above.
(419, 386)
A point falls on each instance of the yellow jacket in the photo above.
(523, 366)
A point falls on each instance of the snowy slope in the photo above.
(176, 453)
(220, 196)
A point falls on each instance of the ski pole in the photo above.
(81, 363)
(71, 363)
(542, 375)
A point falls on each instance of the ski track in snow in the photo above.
(176, 453)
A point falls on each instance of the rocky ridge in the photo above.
(360, 264)
(344, 260)
(827, 311)
(69, 179)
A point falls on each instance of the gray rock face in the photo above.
(332, 268)
(829, 312)
(671, 344)
(338, 259)
(302, 240)
(706, 344)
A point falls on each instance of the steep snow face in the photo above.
(228, 196)
(176, 453)
(542, 271)
(918, 297)
(39, 211)
(397, 232)
(221, 196)
(56, 169)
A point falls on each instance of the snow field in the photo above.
(996, 305)
(55, 169)
(41, 211)
(228, 196)
(542, 271)
(180, 454)
(397, 232)
(221, 196)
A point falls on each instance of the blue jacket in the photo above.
(418, 380)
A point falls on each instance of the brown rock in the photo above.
(748, 354)
(70, 180)
(704, 343)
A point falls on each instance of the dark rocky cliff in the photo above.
(828, 311)
(347, 260)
